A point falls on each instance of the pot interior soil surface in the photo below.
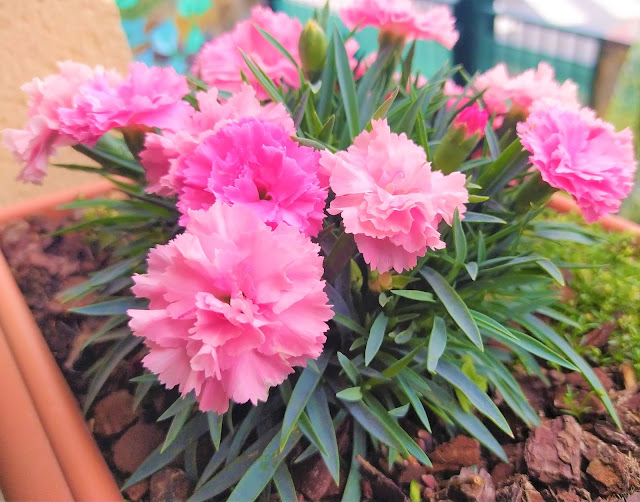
(575, 454)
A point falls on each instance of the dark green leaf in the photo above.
(320, 419)
(300, 395)
(351, 394)
(349, 368)
(413, 294)
(109, 362)
(284, 484)
(437, 343)
(478, 398)
(349, 323)
(112, 307)
(352, 489)
(176, 426)
(347, 85)
(277, 45)
(192, 431)
(215, 428)
(453, 304)
(376, 336)
(471, 217)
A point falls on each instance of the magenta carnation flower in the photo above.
(472, 121)
(164, 153)
(234, 306)
(519, 93)
(402, 20)
(220, 62)
(41, 136)
(255, 163)
(581, 154)
(148, 96)
(390, 199)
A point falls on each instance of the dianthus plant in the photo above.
(312, 239)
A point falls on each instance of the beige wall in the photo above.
(34, 35)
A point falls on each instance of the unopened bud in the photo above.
(462, 137)
(312, 47)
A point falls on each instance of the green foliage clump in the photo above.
(608, 290)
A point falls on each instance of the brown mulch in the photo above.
(564, 459)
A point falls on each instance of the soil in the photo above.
(575, 454)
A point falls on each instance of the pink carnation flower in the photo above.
(389, 198)
(234, 306)
(472, 120)
(220, 62)
(581, 154)
(163, 154)
(150, 97)
(255, 163)
(504, 93)
(41, 136)
(402, 20)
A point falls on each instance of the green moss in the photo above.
(610, 292)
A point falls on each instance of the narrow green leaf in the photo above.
(305, 385)
(376, 336)
(320, 419)
(478, 398)
(236, 470)
(108, 327)
(414, 294)
(437, 343)
(347, 85)
(277, 45)
(453, 304)
(349, 368)
(510, 336)
(284, 484)
(373, 424)
(408, 120)
(408, 444)
(544, 332)
(192, 431)
(215, 428)
(416, 404)
(552, 270)
(250, 422)
(176, 426)
(327, 128)
(351, 394)
(111, 359)
(261, 472)
(472, 269)
(215, 462)
(266, 83)
(328, 79)
(352, 490)
(178, 405)
(397, 366)
(471, 217)
(383, 109)
(459, 239)
(112, 307)
(347, 322)
(142, 389)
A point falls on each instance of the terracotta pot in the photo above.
(564, 204)
(46, 450)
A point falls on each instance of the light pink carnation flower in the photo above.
(148, 96)
(581, 154)
(255, 163)
(402, 20)
(41, 136)
(220, 62)
(234, 306)
(518, 94)
(389, 198)
(163, 154)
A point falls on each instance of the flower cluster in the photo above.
(262, 186)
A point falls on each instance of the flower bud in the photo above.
(462, 137)
(380, 282)
(312, 47)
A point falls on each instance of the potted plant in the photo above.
(331, 241)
